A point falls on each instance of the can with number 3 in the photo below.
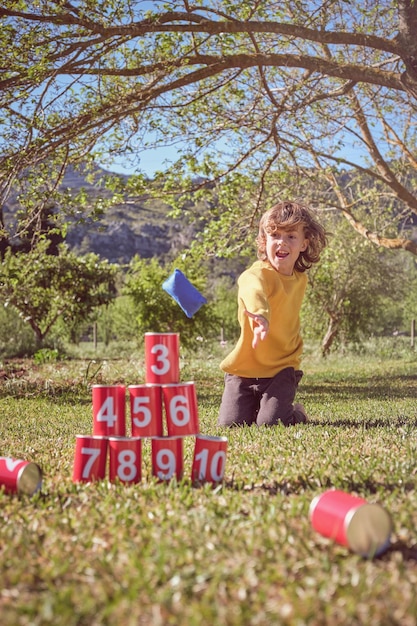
(162, 358)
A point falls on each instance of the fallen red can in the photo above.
(18, 476)
(351, 521)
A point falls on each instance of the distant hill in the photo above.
(135, 227)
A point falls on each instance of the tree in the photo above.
(356, 290)
(252, 91)
(43, 288)
(156, 311)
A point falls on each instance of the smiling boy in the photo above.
(263, 370)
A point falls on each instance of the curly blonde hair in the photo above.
(286, 215)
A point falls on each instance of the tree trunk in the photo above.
(331, 334)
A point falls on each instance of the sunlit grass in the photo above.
(243, 553)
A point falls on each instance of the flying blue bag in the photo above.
(184, 293)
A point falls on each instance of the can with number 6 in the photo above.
(180, 403)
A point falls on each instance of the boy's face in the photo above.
(283, 248)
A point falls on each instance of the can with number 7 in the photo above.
(90, 458)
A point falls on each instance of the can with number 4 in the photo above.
(109, 410)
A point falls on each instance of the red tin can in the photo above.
(162, 361)
(180, 403)
(209, 459)
(167, 458)
(90, 458)
(146, 410)
(109, 410)
(125, 459)
(18, 476)
(351, 521)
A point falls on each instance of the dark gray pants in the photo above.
(261, 401)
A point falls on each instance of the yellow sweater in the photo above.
(264, 291)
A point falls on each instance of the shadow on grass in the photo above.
(395, 422)
(366, 389)
(409, 553)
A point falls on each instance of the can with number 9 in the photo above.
(167, 458)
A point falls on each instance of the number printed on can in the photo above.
(127, 469)
(141, 414)
(166, 464)
(215, 469)
(163, 363)
(179, 410)
(93, 454)
(107, 413)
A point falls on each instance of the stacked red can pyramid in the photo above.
(163, 409)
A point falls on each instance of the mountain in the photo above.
(140, 226)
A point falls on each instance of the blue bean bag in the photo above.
(184, 293)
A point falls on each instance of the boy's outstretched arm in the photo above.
(260, 329)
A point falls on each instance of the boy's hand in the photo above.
(260, 329)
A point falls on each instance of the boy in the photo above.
(262, 371)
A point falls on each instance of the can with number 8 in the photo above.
(180, 403)
(162, 358)
(167, 458)
(125, 459)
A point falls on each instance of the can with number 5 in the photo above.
(146, 410)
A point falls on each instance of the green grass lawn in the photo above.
(242, 553)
